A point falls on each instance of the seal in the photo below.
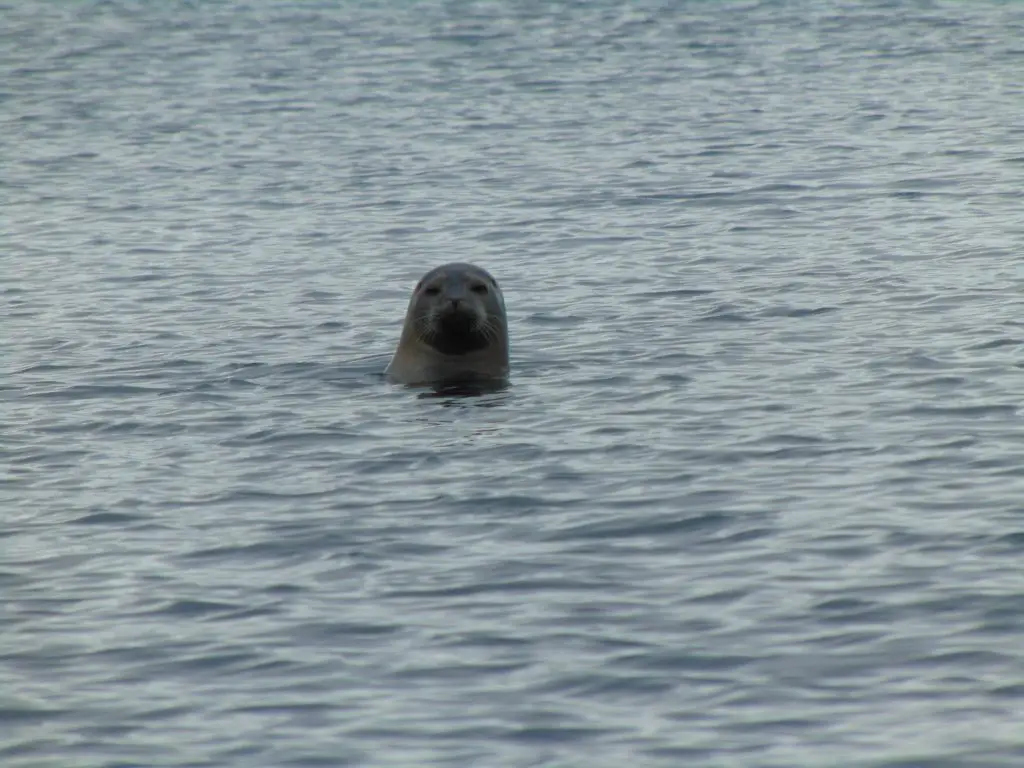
(455, 329)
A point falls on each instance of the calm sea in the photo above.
(755, 495)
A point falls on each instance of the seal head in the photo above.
(455, 329)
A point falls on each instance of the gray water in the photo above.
(755, 494)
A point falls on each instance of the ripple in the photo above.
(754, 488)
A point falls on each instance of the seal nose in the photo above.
(455, 303)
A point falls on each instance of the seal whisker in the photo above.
(490, 329)
(424, 323)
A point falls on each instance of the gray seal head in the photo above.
(455, 329)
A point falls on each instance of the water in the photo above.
(752, 499)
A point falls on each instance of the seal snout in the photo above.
(456, 321)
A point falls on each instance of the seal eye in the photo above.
(432, 290)
(479, 288)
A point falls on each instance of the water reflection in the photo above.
(456, 392)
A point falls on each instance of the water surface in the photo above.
(753, 497)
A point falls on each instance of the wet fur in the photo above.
(442, 342)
